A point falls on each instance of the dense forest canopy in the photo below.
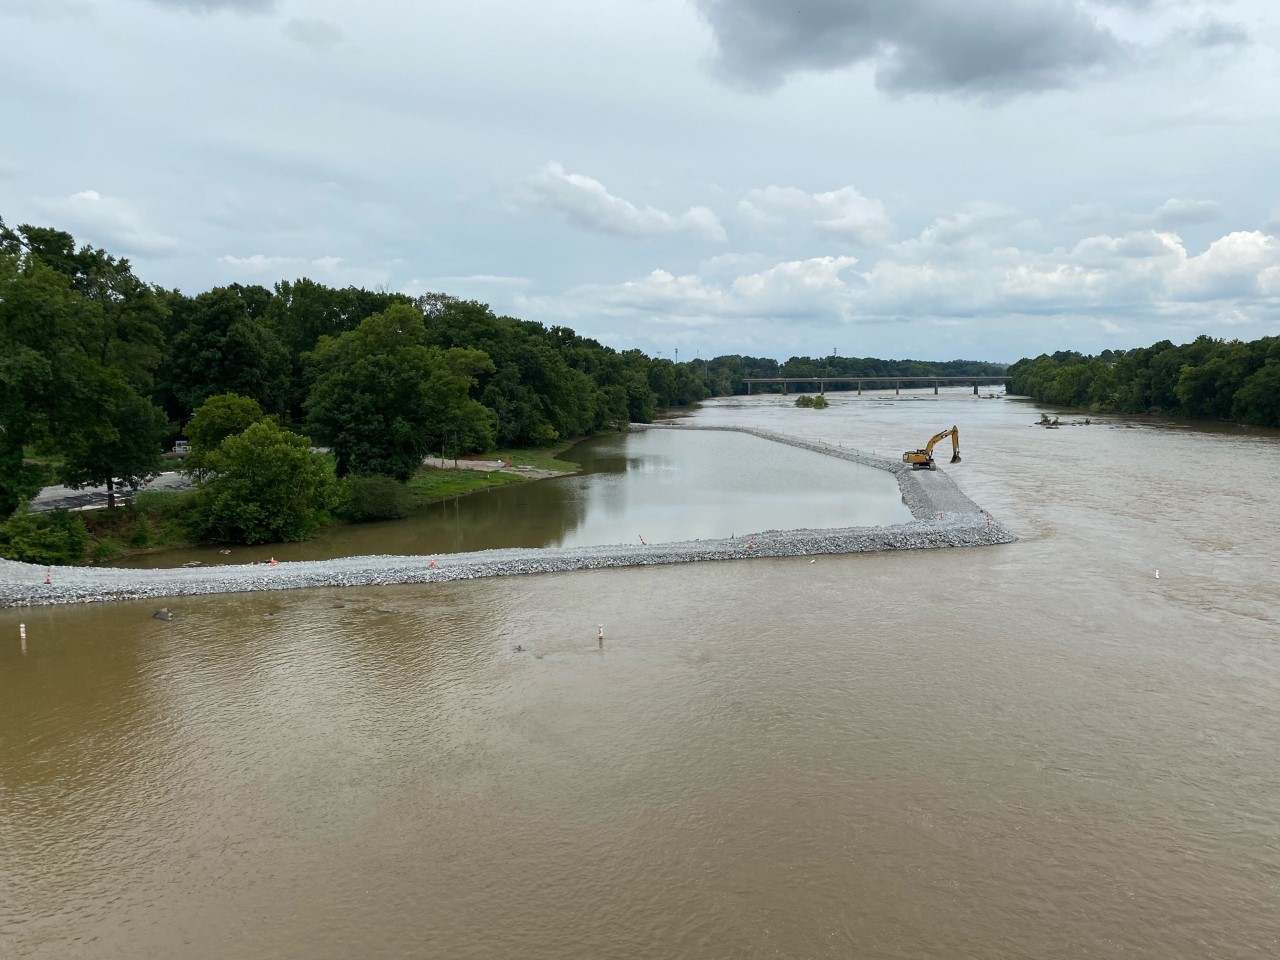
(100, 371)
(1207, 378)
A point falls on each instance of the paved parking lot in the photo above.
(91, 498)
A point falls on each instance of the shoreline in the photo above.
(927, 493)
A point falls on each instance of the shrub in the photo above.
(364, 498)
(818, 402)
(141, 535)
(58, 537)
(219, 417)
(163, 517)
(265, 485)
(108, 548)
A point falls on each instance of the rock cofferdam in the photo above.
(944, 517)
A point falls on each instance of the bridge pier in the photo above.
(822, 388)
(859, 388)
(897, 388)
(975, 388)
(935, 388)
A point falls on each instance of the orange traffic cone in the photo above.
(48, 575)
(273, 561)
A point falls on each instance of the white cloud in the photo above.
(662, 292)
(110, 222)
(794, 284)
(1235, 266)
(332, 270)
(1174, 212)
(258, 263)
(1101, 250)
(1124, 285)
(479, 286)
(1178, 213)
(588, 204)
(314, 33)
(979, 229)
(844, 213)
(485, 279)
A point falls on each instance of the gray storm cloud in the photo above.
(975, 48)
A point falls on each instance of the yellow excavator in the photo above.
(923, 459)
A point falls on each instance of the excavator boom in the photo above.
(923, 459)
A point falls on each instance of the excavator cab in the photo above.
(923, 459)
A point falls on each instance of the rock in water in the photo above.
(164, 613)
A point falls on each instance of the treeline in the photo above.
(1207, 378)
(100, 371)
(725, 375)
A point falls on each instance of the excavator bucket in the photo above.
(955, 457)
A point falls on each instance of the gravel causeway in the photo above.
(927, 493)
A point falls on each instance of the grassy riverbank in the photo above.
(546, 458)
(432, 485)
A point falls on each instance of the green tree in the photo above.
(46, 377)
(219, 417)
(383, 398)
(117, 442)
(124, 330)
(1258, 399)
(303, 311)
(219, 347)
(264, 485)
(365, 498)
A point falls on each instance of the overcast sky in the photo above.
(984, 179)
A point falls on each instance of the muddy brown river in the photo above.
(1037, 750)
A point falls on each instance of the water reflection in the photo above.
(661, 485)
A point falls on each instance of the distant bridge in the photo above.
(896, 381)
